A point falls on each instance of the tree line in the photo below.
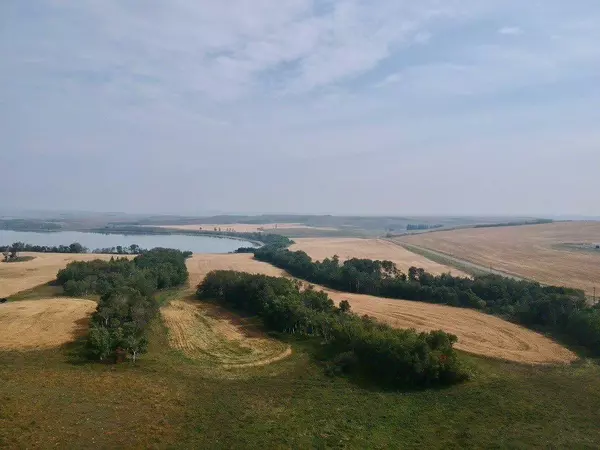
(560, 310)
(355, 345)
(29, 225)
(422, 226)
(127, 301)
(75, 247)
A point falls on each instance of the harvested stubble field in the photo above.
(347, 248)
(201, 264)
(478, 333)
(44, 323)
(532, 251)
(210, 334)
(20, 276)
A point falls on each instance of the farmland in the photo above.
(347, 248)
(477, 333)
(245, 227)
(212, 378)
(214, 336)
(537, 252)
(19, 276)
(43, 323)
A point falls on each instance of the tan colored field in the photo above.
(19, 276)
(200, 264)
(211, 334)
(243, 227)
(478, 333)
(527, 251)
(37, 324)
(346, 248)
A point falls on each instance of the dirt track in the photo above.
(346, 248)
(38, 324)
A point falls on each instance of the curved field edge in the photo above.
(211, 335)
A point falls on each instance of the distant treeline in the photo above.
(265, 238)
(515, 224)
(398, 358)
(422, 226)
(559, 310)
(28, 225)
(127, 301)
(75, 247)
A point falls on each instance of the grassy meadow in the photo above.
(54, 398)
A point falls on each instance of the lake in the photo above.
(196, 244)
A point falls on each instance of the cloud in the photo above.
(510, 31)
(200, 86)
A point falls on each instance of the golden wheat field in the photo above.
(44, 323)
(19, 276)
(208, 333)
(532, 251)
(346, 248)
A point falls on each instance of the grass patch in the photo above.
(43, 291)
(51, 398)
(20, 259)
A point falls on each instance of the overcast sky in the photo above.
(325, 106)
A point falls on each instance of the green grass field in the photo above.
(55, 399)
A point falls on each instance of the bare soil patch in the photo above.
(206, 332)
(347, 248)
(536, 252)
(19, 276)
(39, 324)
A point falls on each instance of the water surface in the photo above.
(196, 244)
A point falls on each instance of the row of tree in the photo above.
(75, 247)
(29, 225)
(17, 247)
(422, 226)
(127, 301)
(354, 344)
(559, 310)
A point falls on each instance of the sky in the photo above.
(307, 106)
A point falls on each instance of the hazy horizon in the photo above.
(344, 107)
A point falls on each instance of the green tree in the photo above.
(99, 342)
